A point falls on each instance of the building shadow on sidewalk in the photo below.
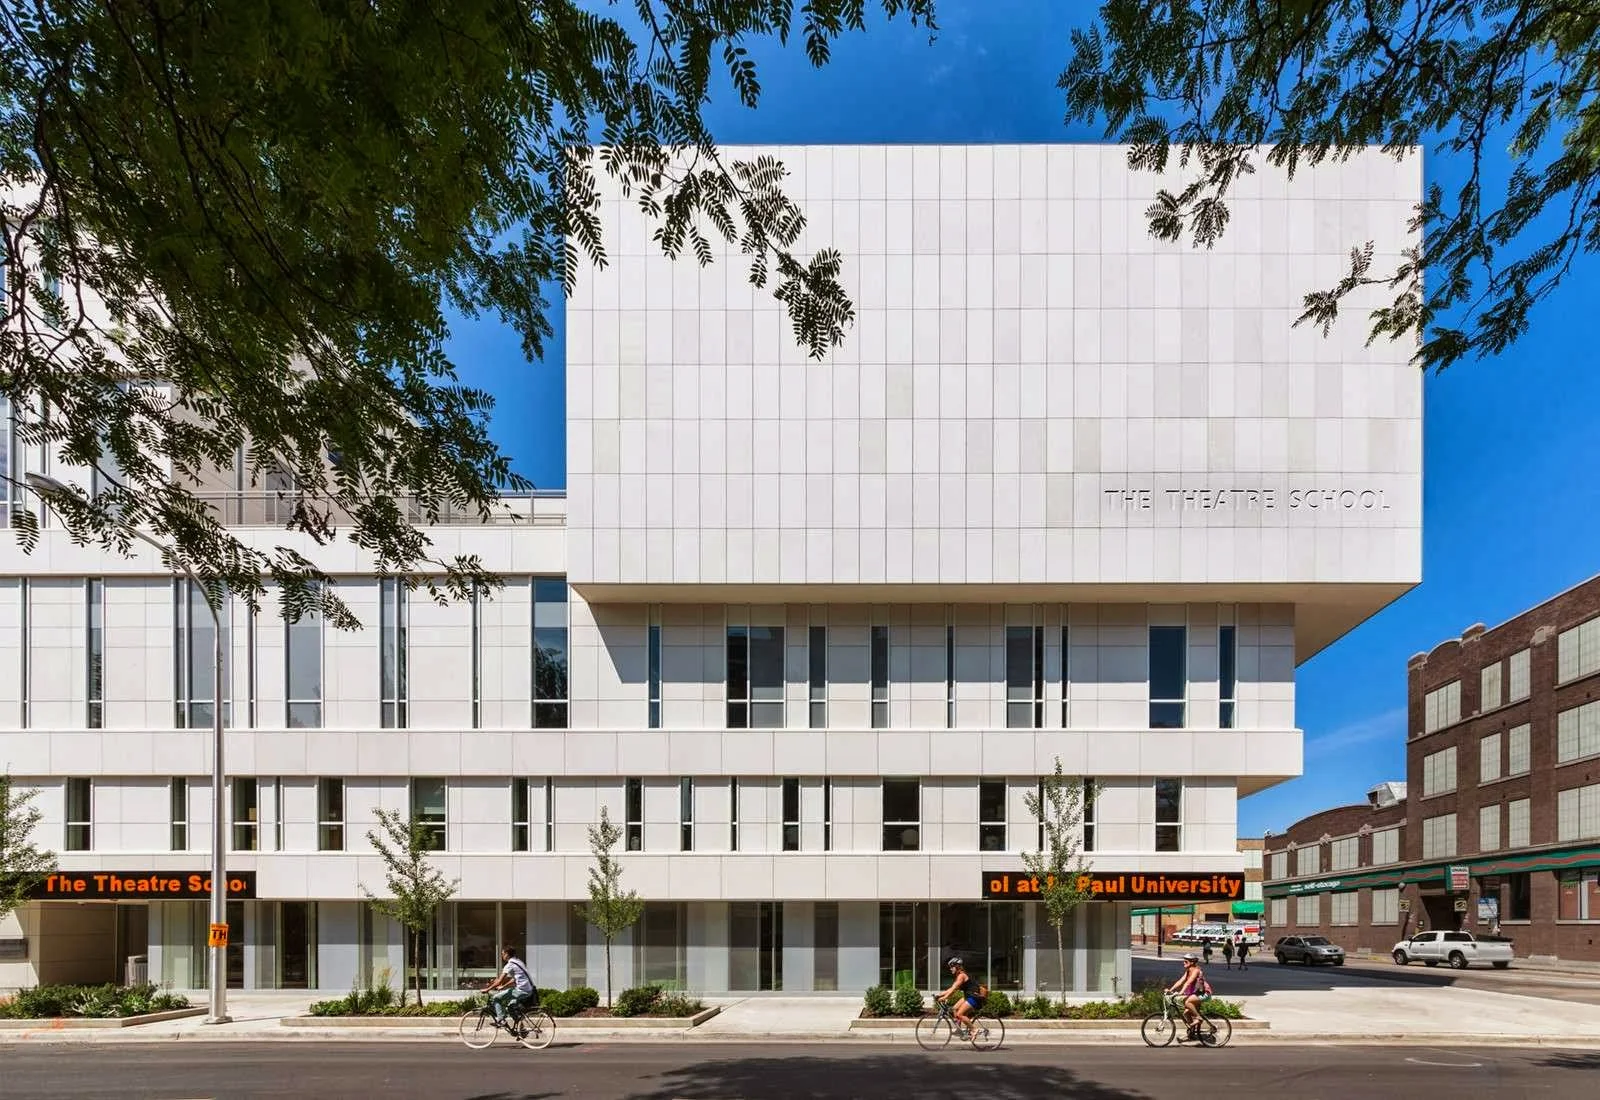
(993, 1077)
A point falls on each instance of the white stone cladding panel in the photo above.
(350, 668)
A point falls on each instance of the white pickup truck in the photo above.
(1459, 949)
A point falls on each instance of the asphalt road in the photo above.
(1265, 974)
(674, 1071)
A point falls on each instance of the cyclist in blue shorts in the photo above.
(972, 991)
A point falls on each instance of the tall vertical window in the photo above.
(1517, 750)
(1517, 678)
(246, 824)
(755, 677)
(818, 676)
(1168, 676)
(1169, 815)
(392, 651)
(194, 658)
(1024, 677)
(1090, 794)
(1227, 674)
(250, 665)
(80, 815)
(1039, 793)
(686, 814)
(330, 815)
(1441, 707)
(94, 666)
(902, 815)
(1439, 836)
(178, 811)
(1518, 820)
(549, 815)
(653, 658)
(1489, 827)
(791, 815)
(1489, 686)
(1066, 677)
(880, 677)
(991, 815)
(550, 652)
(476, 604)
(1578, 651)
(633, 814)
(1489, 758)
(950, 672)
(277, 814)
(428, 808)
(733, 813)
(827, 815)
(521, 814)
(303, 659)
(24, 615)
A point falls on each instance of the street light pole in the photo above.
(45, 484)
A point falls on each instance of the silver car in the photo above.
(1308, 950)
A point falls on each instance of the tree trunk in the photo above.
(416, 960)
(608, 971)
(1061, 959)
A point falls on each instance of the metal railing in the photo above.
(270, 509)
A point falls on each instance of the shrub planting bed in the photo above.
(583, 1002)
(89, 1002)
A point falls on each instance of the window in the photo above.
(1441, 707)
(1342, 908)
(330, 815)
(1168, 676)
(1090, 795)
(1517, 750)
(817, 670)
(1066, 677)
(950, 673)
(1386, 906)
(1578, 732)
(1278, 912)
(428, 809)
(1439, 772)
(1489, 827)
(476, 604)
(686, 814)
(1169, 815)
(991, 815)
(194, 656)
(1385, 847)
(880, 677)
(791, 815)
(1519, 896)
(178, 811)
(1227, 674)
(1578, 813)
(1280, 865)
(94, 671)
(521, 814)
(1489, 758)
(1579, 895)
(1489, 687)
(1344, 854)
(1518, 821)
(1308, 910)
(1578, 651)
(902, 815)
(245, 823)
(825, 952)
(550, 653)
(827, 815)
(1024, 677)
(1439, 836)
(549, 815)
(392, 651)
(1517, 679)
(80, 815)
(25, 594)
(303, 655)
(653, 648)
(1308, 860)
(755, 677)
(633, 813)
(277, 815)
(733, 814)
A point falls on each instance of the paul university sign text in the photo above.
(1124, 886)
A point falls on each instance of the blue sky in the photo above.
(1511, 509)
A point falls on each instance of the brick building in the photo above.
(1502, 826)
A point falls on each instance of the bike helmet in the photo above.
(952, 961)
(1191, 958)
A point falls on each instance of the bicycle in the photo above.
(533, 1028)
(1160, 1028)
(935, 1032)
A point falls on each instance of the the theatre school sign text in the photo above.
(139, 886)
(1123, 886)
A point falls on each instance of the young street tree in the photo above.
(1056, 867)
(274, 209)
(610, 909)
(23, 865)
(415, 887)
(1231, 83)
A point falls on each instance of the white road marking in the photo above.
(1446, 1065)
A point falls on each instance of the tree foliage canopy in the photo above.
(413, 887)
(273, 208)
(1059, 806)
(23, 864)
(611, 909)
(1228, 83)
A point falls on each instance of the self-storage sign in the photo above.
(1165, 886)
(139, 886)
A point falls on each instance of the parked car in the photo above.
(1308, 950)
(1459, 949)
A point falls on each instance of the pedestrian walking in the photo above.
(1227, 954)
(1242, 949)
(1207, 952)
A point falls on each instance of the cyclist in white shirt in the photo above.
(513, 988)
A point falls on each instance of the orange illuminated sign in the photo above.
(1124, 886)
(138, 886)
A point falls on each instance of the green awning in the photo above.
(1164, 910)
(1248, 908)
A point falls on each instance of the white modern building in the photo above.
(811, 630)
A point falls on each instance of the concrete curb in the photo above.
(81, 1023)
(450, 1023)
(1024, 1026)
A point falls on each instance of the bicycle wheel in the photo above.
(934, 1032)
(1215, 1031)
(1158, 1029)
(478, 1029)
(988, 1033)
(536, 1030)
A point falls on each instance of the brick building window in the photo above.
(1519, 897)
(1517, 678)
(1439, 836)
(1578, 813)
(1386, 907)
(1439, 772)
(1386, 846)
(1489, 687)
(1489, 827)
(1489, 758)
(1517, 750)
(1308, 911)
(1342, 908)
(1579, 895)
(1517, 823)
(1278, 912)
(1344, 855)
(1279, 864)
(1578, 732)
(1578, 651)
(1441, 707)
(1308, 860)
